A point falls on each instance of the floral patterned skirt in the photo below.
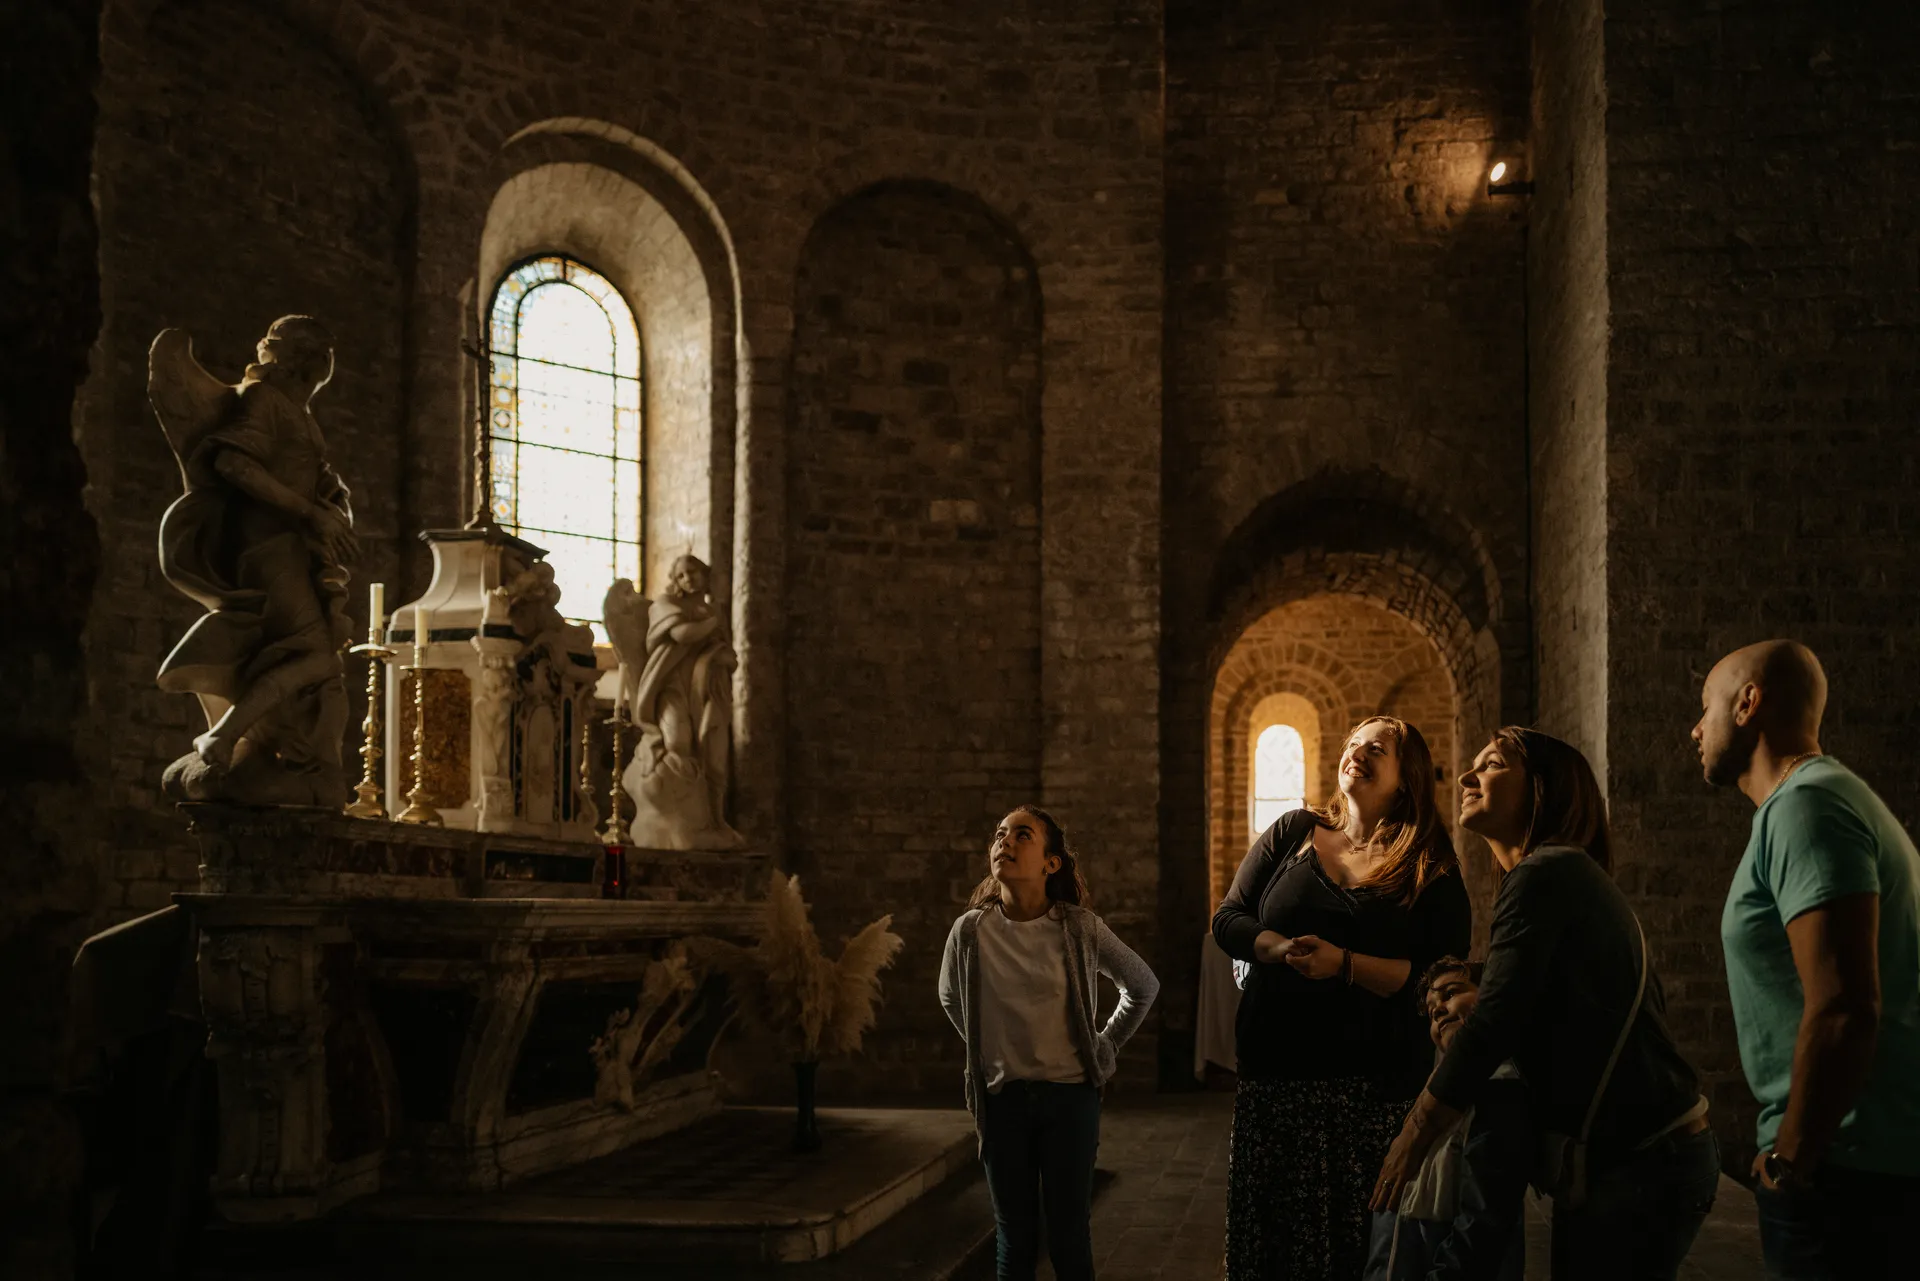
(1304, 1160)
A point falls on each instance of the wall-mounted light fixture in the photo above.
(1498, 183)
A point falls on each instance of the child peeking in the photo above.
(1460, 1218)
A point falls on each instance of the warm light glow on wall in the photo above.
(1499, 172)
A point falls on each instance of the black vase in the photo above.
(806, 1127)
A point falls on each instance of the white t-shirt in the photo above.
(1023, 1002)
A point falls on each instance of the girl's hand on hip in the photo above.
(1314, 957)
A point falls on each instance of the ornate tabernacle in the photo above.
(505, 692)
(403, 1006)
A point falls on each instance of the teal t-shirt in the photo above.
(1823, 835)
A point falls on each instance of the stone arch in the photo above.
(599, 201)
(1344, 533)
(913, 603)
(1243, 682)
(628, 206)
(1005, 197)
(1403, 674)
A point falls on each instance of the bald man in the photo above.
(1822, 935)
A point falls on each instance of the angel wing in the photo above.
(189, 401)
(625, 611)
(626, 614)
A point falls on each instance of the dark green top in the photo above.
(1824, 835)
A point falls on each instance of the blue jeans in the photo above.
(1845, 1225)
(1641, 1215)
(1038, 1142)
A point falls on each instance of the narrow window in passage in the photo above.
(1279, 775)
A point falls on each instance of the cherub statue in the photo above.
(682, 703)
(261, 538)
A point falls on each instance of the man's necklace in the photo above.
(1793, 763)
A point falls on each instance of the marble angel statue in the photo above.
(676, 688)
(261, 539)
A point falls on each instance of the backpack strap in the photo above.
(1620, 1044)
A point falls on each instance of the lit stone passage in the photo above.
(1317, 666)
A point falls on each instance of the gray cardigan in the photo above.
(1092, 950)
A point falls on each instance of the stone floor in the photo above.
(1164, 1215)
(1161, 1216)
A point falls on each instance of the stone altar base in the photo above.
(725, 1191)
(403, 1007)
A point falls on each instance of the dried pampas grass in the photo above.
(784, 987)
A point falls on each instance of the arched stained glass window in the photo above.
(1279, 774)
(564, 427)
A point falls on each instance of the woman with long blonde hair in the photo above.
(1337, 911)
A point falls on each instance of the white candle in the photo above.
(422, 626)
(376, 611)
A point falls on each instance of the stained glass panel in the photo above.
(564, 426)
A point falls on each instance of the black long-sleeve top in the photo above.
(1291, 1027)
(1561, 972)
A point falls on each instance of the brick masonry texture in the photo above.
(1273, 344)
(1567, 373)
(1763, 383)
(1047, 117)
(913, 562)
(1349, 659)
(225, 201)
(1345, 354)
(49, 314)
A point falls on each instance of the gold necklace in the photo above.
(1793, 763)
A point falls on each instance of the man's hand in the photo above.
(334, 533)
(1314, 957)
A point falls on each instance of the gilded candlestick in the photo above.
(418, 811)
(616, 832)
(370, 803)
(586, 813)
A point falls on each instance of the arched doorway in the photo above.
(1342, 565)
(1315, 667)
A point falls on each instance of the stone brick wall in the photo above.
(226, 200)
(1048, 116)
(1567, 373)
(1721, 335)
(913, 556)
(1345, 365)
(1763, 383)
(49, 314)
(1344, 296)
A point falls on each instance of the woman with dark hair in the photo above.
(1570, 997)
(1336, 912)
(1018, 981)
